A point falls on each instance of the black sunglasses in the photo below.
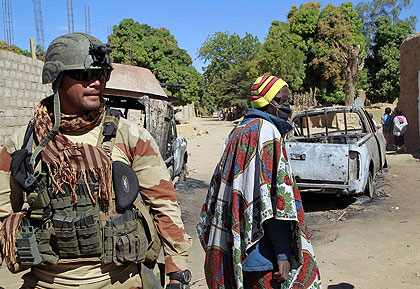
(88, 74)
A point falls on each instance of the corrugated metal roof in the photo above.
(130, 80)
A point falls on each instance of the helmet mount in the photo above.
(100, 54)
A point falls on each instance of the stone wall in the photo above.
(410, 87)
(20, 91)
(185, 112)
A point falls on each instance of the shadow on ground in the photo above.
(315, 202)
(189, 184)
(341, 286)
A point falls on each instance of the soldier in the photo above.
(74, 178)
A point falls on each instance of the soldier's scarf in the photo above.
(68, 162)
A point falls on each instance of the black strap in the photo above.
(109, 130)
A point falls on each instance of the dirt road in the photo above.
(359, 243)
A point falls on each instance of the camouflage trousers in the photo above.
(137, 276)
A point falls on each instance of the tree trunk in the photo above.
(350, 73)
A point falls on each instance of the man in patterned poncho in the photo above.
(252, 225)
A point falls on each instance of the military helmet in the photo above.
(74, 51)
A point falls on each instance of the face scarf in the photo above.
(68, 162)
(283, 111)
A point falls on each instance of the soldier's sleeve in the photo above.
(11, 195)
(158, 192)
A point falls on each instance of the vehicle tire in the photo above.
(369, 190)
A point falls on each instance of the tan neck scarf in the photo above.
(68, 162)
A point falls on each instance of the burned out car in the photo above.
(335, 149)
(137, 93)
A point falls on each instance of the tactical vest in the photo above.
(55, 228)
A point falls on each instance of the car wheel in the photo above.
(369, 190)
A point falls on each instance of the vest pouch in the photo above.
(88, 234)
(124, 239)
(108, 243)
(47, 244)
(65, 233)
(27, 248)
(131, 244)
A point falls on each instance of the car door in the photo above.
(379, 139)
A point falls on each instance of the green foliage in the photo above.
(304, 21)
(233, 88)
(226, 75)
(338, 29)
(40, 53)
(384, 63)
(280, 55)
(206, 105)
(369, 12)
(14, 48)
(156, 49)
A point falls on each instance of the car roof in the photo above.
(133, 81)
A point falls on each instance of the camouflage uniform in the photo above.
(133, 146)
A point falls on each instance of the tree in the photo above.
(304, 23)
(40, 53)
(226, 76)
(156, 49)
(384, 62)
(338, 36)
(280, 55)
(369, 12)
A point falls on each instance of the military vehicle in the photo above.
(137, 93)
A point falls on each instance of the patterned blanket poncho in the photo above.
(252, 183)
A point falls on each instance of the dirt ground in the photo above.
(359, 242)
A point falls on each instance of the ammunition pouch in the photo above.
(56, 228)
(124, 239)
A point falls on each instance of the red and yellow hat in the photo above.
(265, 89)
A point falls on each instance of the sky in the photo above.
(191, 22)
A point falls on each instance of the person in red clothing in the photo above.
(252, 224)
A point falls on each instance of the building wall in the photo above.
(20, 91)
(410, 87)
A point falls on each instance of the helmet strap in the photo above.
(57, 82)
(52, 133)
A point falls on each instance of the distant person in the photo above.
(386, 121)
(400, 127)
(252, 223)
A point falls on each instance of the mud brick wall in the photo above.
(409, 99)
(20, 91)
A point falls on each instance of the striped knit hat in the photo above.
(265, 89)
